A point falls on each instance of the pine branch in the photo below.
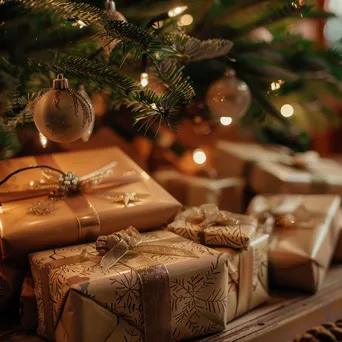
(189, 49)
(86, 70)
(170, 73)
(88, 15)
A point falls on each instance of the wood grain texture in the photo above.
(285, 316)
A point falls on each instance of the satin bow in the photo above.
(210, 226)
(114, 246)
(58, 184)
(286, 212)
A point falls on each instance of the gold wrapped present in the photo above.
(213, 227)
(304, 231)
(46, 206)
(270, 169)
(226, 193)
(248, 276)
(140, 289)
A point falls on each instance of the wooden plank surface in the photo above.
(286, 315)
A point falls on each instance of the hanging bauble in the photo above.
(87, 135)
(114, 15)
(61, 114)
(228, 97)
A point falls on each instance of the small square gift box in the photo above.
(226, 193)
(247, 251)
(304, 230)
(153, 287)
(270, 169)
(43, 206)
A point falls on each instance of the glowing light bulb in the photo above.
(144, 79)
(81, 23)
(176, 11)
(43, 140)
(185, 20)
(287, 110)
(275, 86)
(199, 156)
(226, 120)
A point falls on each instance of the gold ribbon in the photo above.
(62, 185)
(213, 227)
(153, 276)
(307, 161)
(114, 246)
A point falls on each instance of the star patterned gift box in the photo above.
(149, 297)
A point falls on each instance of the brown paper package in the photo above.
(248, 276)
(299, 257)
(227, 193)
(23, 232)
(265, 172)
(89, 304)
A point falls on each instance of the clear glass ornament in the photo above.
(228, 97)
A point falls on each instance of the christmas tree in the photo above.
(164, 61)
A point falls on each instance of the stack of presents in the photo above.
(114, 257)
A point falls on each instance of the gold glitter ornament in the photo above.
(87, 135)
(62, 114)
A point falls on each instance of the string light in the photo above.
(144, 79)
(80, 23)
(287, 110)
(43, 140)
(176, 11)
(226, 120)
(199, 156)
(185, 20)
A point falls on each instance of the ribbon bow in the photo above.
(286, 212)
(210, 226)
(114, 246)
(59, 185)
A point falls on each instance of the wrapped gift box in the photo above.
(122, 194)
(11, 277)
(272, 169)
(248, 276)
(210, 226)
(226, 193)
(79, 301)
(304, 230)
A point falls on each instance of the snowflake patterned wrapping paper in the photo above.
(82, 217)
(304, 230)
(248, 276)
(83, 303)
(274, 169)
(226, 193)
(210, 226)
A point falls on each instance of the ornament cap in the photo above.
(110, 5)
(60, 82)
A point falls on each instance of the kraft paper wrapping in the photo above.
(89, 304)
(226, 193)
(11, 276)
(266, 171)
(213, 227)
(248, 276)
(22, 232)
(299, 256)
(338, 249)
